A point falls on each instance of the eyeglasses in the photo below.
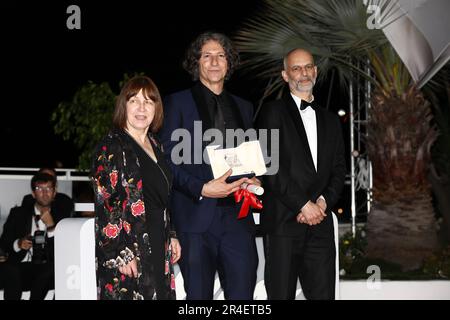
(308, 68)
(42, 189)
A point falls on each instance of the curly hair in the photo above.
(194, 52)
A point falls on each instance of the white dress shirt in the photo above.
(309, 122)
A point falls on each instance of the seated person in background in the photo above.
(27, 239)
(62, 203)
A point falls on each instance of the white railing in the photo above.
(27, 174)
(15, 184)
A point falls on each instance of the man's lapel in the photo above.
(298, 124)
(237, 112)
(202, 107)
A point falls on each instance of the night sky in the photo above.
(43, 62)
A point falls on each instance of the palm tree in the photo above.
(401, 222)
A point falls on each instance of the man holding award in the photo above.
(204, 211)
(296, 219)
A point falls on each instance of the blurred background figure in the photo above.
(62, 202)
(28, 241)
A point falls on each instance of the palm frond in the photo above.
(391, 74)
(334, 31)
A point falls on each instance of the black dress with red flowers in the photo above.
(156, 178)
(132, 221)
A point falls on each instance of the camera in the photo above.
(40, 254)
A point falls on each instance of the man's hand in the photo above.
(47, 218)
(311, 214)
(322, 204)
(176, 250)
(130, 269)
(218, 188)
(25, 243)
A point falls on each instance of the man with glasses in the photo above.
(296, 219)
(28, 240)
(62, 202)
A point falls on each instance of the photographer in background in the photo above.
(62, 202)
(28, 240)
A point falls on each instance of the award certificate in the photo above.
(246, 159)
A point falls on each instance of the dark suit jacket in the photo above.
(62, 203)
(18, 225)
(181, 109)
(297, 181)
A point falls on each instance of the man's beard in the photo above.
(305, 88)
(45, 204)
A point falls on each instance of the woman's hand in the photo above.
(176, 250)
(130, 269)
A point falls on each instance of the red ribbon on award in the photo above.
(250, 200)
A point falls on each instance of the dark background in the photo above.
(44, 63)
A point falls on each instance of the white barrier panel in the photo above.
(75, 277)
(395, 290)
(80, 206)
(336, 244)
(75, 259)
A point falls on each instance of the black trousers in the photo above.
(24, 276)
(310, 258)
(228, 248)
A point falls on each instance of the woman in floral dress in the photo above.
(136, 245)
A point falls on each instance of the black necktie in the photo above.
(219, 120)
(304, 104)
